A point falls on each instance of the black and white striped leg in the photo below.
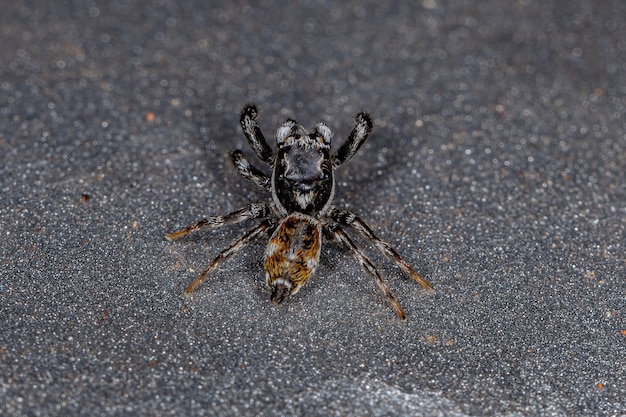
(249, 172)
(251, 211)
(347, 218)
(355, 140)
(255, 137)
(340, 236)
(265, 227)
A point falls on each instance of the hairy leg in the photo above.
(251, 211)
(354, 141)
(232, 249)
(340, 236)
(350, 219)
(253, 134)
(249, 172)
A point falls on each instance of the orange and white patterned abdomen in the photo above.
(292, 255)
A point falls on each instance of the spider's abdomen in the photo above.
(292, 255)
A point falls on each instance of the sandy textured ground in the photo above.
(496, 166)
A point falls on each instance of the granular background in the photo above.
(496, 167)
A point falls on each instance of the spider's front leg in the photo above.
(358, 135)
(251, 211)
(347, 218)
(253, 134)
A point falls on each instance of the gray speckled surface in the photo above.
(496, 166)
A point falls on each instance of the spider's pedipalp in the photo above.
(323, 134)
(250, 172)
(253, 134)
(249, 212)
(233, 248)
(358, 135)
(347, 218)
(286, 131)
(340, 236)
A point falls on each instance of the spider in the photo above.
(301, 213)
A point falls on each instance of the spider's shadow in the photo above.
(218, 135)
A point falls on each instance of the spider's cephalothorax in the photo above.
(302, 178)
(301, 211)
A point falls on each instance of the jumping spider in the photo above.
(301, 210)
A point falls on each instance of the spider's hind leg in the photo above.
(347, 218)
(339, 235)
(238, 244)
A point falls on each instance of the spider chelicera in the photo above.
(301, 211)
